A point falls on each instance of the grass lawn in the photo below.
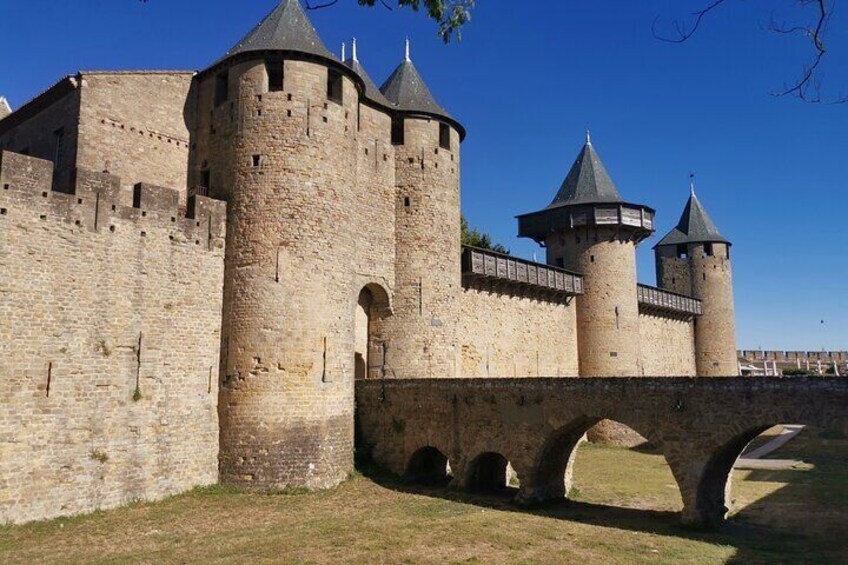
(624, 512)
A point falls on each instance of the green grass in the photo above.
(624, 512)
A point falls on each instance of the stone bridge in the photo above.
(413, 427)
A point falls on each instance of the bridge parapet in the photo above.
(700, 425)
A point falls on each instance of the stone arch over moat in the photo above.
(699, 425)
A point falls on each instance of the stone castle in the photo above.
(155, 339)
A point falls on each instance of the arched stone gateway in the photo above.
(700, 426)
(372, 308)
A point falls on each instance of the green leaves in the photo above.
(451, 15)
(476, 238)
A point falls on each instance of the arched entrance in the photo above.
(372, 307)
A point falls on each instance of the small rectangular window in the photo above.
(59, 147)
(682, 251)
(397, 131)
(204, 179)
(222, 88)
(708, 249)
(444, 136)
(275, 76)
(334, 86)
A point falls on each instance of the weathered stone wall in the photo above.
(422, 332)
(709, 278)
(306, 234)
(608, 311)
(666, 346)
(109, 343)
(700, 425)
(133, 124)
(504, 335)
(34, 129)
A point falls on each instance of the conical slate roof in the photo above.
(286, 28)
(371, 91)
(695, 226)
(587, 182)
(406, 90)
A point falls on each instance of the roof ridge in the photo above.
(406, 89)
(587, 181)
(695, 226)
(285, 28)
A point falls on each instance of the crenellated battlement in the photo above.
(93, 203)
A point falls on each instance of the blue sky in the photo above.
(527, 79)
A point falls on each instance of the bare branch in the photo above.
(808, 86)
(682, 32)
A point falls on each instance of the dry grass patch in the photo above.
(625, 513)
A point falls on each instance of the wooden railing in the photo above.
(483, 263)
(658, 299)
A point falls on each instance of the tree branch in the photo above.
(808, 86)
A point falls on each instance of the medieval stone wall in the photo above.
(37, 133)
(666, 346)
(133, 125)
(608, 311)
(109, 342)
(423, 327)
(306, 235)
(503, 335)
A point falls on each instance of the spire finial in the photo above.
(588, 138)
(353, 48)
(406, 57)
(692, 184)
(344, 55)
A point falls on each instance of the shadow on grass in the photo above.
(754, 543)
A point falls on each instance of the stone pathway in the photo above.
(753, 460)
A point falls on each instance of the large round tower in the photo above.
(588, 228)
(422, 330)
(694, 259)
(276, 137)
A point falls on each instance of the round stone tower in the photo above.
(590, 229)
(422, 330)
(694, 259)
(275, 135)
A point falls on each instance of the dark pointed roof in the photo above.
(586, 182)
(286, 28)
(371, 91)
(695, 226)
(406, 90)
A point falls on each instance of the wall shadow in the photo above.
(755, 539)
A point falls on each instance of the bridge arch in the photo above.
(713, 489)
(551, 476)
(486, 472)
(428, 465)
